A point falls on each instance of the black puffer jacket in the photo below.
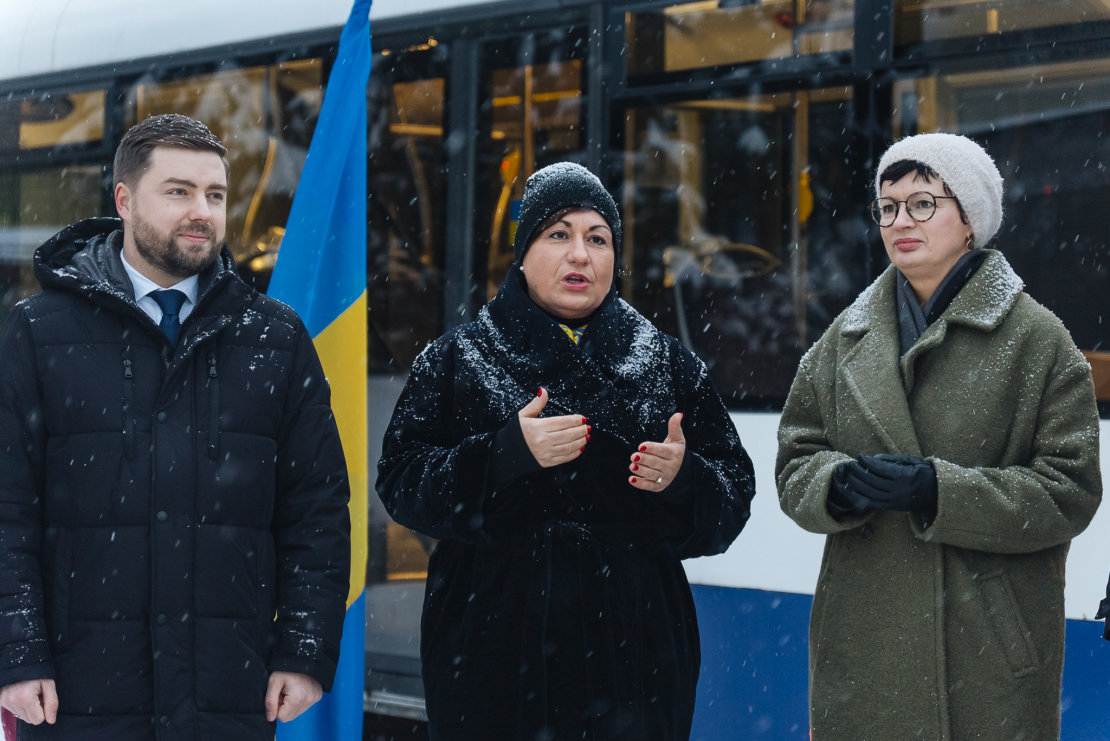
(557, 607)
(157, 505)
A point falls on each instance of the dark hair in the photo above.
(920, 171)
(168, 130)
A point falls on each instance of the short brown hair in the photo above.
(167, 130)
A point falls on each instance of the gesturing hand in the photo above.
(552, 440)
(656, 464)
(289, 694)
(32, 701)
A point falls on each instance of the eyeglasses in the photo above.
(920, 207)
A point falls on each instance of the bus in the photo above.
(739, 138)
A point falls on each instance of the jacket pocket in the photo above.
(128, 407)
(213, 408)
(1009, 628)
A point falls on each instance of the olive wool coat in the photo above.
(159, 504)
(557, 606)
(952, 630)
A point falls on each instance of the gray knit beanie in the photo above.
(967, 170)
(558, 186)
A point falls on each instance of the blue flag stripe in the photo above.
(320, 273)
(328, 217)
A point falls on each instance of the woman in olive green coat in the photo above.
(943, 433)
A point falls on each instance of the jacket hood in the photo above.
(85, 258)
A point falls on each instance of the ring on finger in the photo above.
(659, 480)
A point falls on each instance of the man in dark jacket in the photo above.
(170, 475)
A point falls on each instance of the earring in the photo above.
(970, 242)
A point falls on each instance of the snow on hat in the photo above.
(559, 186)
(967, 170)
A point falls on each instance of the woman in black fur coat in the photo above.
(567, 455)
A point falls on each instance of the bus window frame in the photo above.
(806, 65)
(84, 152)
(1025, 44)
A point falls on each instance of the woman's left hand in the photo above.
(655, 465)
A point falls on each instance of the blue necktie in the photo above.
(171, 302)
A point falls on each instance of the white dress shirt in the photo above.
(144, 286)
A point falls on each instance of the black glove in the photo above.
(842, 502)
(901, 483)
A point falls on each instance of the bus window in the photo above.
(34, 206)
(1045, 128)
(51, 120)
(709, 33)
(265, 116)
(407, 191)
(534, 103)
(743, 237)
(917, 21)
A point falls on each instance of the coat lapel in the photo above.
(871, 370)
(982, 304)
(933, 336)
(988, 296)
(878, 380)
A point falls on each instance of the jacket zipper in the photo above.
(213, 408)
(128, 411)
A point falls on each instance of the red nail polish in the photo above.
(635, 467)
(635, 457)
(633, 479)
(583, 420)
(643, 448)
(582, 449)
(589, 429)
(587, 438)
(540, 392)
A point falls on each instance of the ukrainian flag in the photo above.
(321, 273)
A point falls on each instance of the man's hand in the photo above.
(552, 440)
(32, 701)
(289, 695)
(656, 464)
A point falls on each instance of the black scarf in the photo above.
(914, 319)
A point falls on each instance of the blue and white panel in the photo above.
(753, 609)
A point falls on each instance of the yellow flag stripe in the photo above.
(342, 349)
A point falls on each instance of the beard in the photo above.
(161, 249)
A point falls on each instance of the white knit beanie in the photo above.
(967, 170)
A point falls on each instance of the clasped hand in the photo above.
(901, 483)
(557, 440)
